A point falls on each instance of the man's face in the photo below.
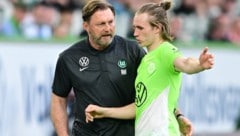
(143, 31)
(100, 28)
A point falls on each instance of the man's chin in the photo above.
(106, 40)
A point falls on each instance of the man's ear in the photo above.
(85, 26)
(158, 28)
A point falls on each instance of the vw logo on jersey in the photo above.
(122, 63)
(141, 94)
(83, 62)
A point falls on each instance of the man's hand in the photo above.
(185, 126)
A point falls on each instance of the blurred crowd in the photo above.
(190, 20)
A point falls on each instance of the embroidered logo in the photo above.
(151, 68)
(83, 62)
(122, 63)
(141, 94)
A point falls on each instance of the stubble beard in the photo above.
(101, 42)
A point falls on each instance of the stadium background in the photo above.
(27, 62)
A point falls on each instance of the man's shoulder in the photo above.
(128, 43)
(75, 47)
(123, 39)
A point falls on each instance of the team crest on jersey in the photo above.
(83, 62)
(151, 68)
(123, 64)
(141, 94)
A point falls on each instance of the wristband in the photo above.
(179, 115)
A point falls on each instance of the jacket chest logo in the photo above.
(83, 62)
(123, 65)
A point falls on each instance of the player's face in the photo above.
(101, 28)
(143, 31)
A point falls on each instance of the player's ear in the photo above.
(85, 26)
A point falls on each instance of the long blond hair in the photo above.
(158, 15)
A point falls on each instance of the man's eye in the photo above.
(139, 28)
(101, 24)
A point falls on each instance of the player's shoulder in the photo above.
(169, 46)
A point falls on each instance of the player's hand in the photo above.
(92, 112)
(185, 126)
(206, 59)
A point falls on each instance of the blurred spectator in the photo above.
(191, 20)
(69, 24)
(186, 7)
(40, 22)
(234, 34)
(176, 23)
(229, 7)
(219, 29)
(214, 9)
(123, 17)
(12, 27)
(191, 14)
(5, 11)
(62, 29)
(201, 19)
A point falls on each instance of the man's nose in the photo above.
(135, 34)
(107, 27)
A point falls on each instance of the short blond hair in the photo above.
(94, 5)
